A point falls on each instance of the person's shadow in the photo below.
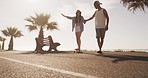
(119, 57)
(116, 57)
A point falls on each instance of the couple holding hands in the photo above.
(101, 25)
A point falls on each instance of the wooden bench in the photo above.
(48, 41)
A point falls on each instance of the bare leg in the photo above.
(100, 44)
(102, 41)
(78, 37)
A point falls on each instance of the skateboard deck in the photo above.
(77, 51)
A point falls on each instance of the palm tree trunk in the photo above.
(11, 44)
(39, 40)
(41, 33)
(3, 44)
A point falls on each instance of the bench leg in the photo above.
(50, 48)
(55, 49)
(55, 46)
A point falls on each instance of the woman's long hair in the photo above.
(78, 17)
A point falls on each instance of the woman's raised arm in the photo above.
(67, 16)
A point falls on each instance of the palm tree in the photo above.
(12, 32)
(3, 41)
(40, 22)
(134, 5)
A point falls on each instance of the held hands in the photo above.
(85, 21)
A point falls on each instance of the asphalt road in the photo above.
(19, 64)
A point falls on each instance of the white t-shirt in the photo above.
(100, 19)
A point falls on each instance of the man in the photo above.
(101, 23)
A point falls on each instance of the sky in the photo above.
(127, 30)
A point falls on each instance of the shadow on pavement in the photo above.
(118, 58)
(46, 52)
(3, 50)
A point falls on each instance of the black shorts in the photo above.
(100, 33)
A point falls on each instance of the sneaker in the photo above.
(100, 52)
(77, 49)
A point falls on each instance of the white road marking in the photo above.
(53, 69)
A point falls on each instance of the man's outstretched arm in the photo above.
(90, 18)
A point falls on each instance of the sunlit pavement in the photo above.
(19, 64)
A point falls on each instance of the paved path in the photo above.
(19, 64)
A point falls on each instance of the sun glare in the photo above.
(35, 1)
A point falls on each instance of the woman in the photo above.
(77, 23)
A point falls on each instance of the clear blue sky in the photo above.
(126, 30)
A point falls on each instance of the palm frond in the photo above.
(2, 38)
(5, 32)
(31, 27)
(41, 19)
(52, 26)
(18, 34)
(33, 18)
(146, 4)
(12, 30)
(29, 20)
(134, 5)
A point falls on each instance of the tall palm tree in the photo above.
(134, 5)
(3, 41)
(12, 32)
(40, 22)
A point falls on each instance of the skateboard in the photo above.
(77, 51)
